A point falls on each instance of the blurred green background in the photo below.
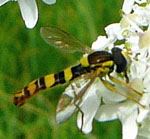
(24, 56)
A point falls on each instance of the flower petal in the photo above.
(66, 105)
(127, 6)
(89, 108)
(144, 129)
(49, 1)
(65, 114)
(2, 2)
(100, 43)
(147, 80)
(140, 1)
(136, 71)
(130, 127)
(29, 12)
(107, 95)
(144, 112)
(113, 32)
(144, 40)
(107, 112)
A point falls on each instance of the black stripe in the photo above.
(79, 70)
(37, 86)
(76, 72)
(59, 78)
(42, 83)
(26, 92)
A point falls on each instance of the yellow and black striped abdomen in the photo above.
(99, 59)
(49, 81)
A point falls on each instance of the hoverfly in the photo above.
(94, 64)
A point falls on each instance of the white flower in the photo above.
(134, 110)
(128, 5)
(89, 107)
(113, 32)
(101, 43)
(29, 10)
(90, 102)
(49, 1)
(87, 104)
(144, 128)
(126, 112)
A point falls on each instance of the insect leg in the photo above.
(115, 80)
(126, 76)
(115, 90)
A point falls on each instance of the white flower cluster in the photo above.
(29, 10)
(133, 31)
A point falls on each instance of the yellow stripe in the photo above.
(84, 62)
(107, 63)
(32, 87)
(68, 74)
(49, 80)
(20, 93)
(102, 71)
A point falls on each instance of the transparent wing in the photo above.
(62, 40)
(72, 97)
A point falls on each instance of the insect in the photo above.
(92, 65)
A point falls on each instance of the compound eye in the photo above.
(119, 59)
